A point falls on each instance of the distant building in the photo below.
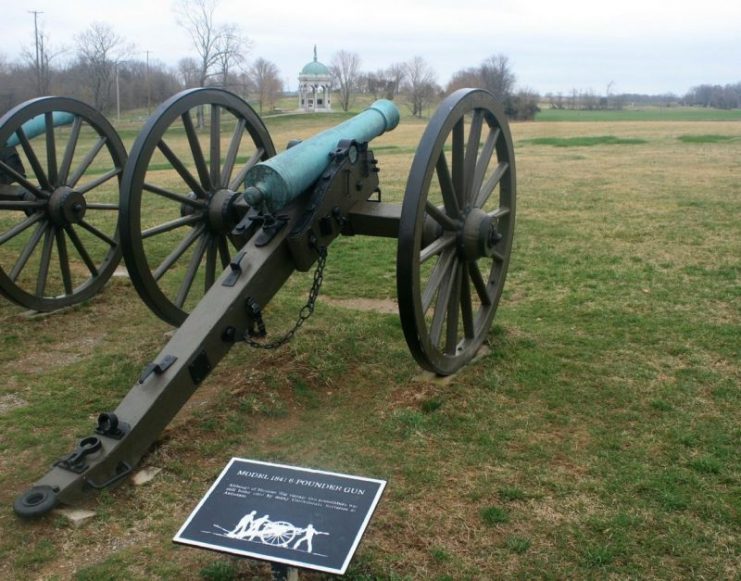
(315, 87)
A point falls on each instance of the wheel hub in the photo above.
(479, 235)
(221, 217)
(67, 206)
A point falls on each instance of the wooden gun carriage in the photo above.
(209, 246)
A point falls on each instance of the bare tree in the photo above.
(345, 70)
(497, 77)
(395, 75)
(219, 48)
(265, 78)
(419, 86)
(41, 66)
(99, 50)
(232, 47)
(188, 72)
(197, 18)
(465, 78)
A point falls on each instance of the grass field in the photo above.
(597, 436)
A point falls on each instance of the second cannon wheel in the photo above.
(456, 229)
(178, 195)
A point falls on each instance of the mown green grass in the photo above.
(678, 114)
(583, 141)
(597, 438)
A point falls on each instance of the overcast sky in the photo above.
(642, 46)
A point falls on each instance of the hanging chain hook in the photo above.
(306, 311)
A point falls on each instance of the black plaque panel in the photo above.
(296, 516)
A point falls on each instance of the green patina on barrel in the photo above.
(36, 126)
(281, 179)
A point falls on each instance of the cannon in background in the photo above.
(60, 167)
(455, 230)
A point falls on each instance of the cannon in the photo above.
(211, 241)
(61, 163)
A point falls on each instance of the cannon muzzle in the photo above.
(279, 180)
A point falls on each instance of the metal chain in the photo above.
(304, 313)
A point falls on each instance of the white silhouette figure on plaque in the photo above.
(309, 533)
(254, 529)
(243, 526)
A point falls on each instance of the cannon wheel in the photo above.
(58, 205)
(178, 201)
(278, 533)
(455, 231)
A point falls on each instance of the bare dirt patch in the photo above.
(9, 402)
(383, 306)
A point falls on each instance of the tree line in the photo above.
(102, 68)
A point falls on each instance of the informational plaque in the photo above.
(296, 516)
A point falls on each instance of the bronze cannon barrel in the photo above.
(279, 180)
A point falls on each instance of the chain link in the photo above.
(306, 311)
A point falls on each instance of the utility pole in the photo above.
(36, 36)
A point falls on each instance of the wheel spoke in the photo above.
(63, 261)
(95, 232)
(97, 206)
(237, 181)
(224, 252)
(51, 148)
(440, 217)
(21, 205)
(469, 328)
(436, 247)
(190, 274)
(87, 160)
(45, 260)
(33, 159)
(215, 154)
(18, 228)
(439, 274)
(487, 189)
(81, 250)
(459, 168)
(174, 197)
(175, 255)
(171, 225)
(27, 251)
(483, 162)
(472, 152)
(499, 213)
(441, 306)
(195, 148)
(479, 283)
(22, 181)
(181, 169)
(452, 207)
(211, 263)
(231, 155)
(451, 331)
(98, 181)
(69, 151)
